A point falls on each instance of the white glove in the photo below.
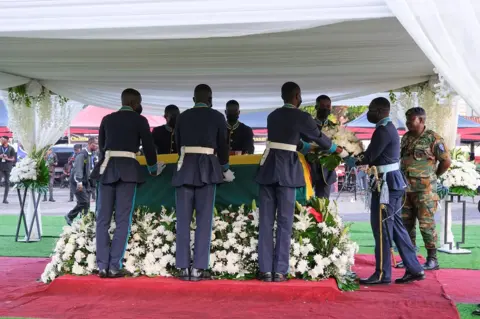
(344, 154)
(160, 167)
(228, 176)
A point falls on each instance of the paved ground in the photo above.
(351, 209)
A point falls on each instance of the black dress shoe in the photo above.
(409, 277)
(431, 264)
(374, 280)
(400, 265)
(265, 276)
(51, 200)
(184, 274)
(200, 274)
(278, 277)
(103, 273)
(68, 220)
(118, 273)
(5, 201)
(476, 312)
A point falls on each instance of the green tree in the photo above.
(355, 111)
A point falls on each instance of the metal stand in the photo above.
(448, 246)
(28, 230)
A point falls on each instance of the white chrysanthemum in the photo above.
(77, 269)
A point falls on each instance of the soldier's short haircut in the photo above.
(289, 90)
(416, 111)
(382, 103)
(323, 97)
(77, 147)
(171, 108)
(130, 93)
(233, 103)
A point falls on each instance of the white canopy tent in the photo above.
(90, 51)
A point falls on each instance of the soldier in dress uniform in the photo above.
(279, 175)
(80, 180)
(164, 136)
(118, 175)
(201, 135)
(322, 178)
(421, 151)
(240, 135)
(384, 153)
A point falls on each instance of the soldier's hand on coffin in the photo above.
(160, 167)
(228, 176)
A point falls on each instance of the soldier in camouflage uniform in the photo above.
(421, 150)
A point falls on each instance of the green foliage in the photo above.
(463, 191)
(355, 111)
(310, 109)
(458, 155)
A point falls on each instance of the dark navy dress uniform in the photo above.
(384, 153)
(240, 139)
(279, 175)
(118, 173)
(322, 178)
(164, 139)
(201, 134)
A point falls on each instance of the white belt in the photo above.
(193, 150)
(277, 146)
(109, 154)
(382, 169)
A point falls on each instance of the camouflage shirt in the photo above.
(419, 156)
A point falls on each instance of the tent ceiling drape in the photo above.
(90, 50)
(344, 60)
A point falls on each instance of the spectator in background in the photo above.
(52, 161)
(7, 158)
(76, 149)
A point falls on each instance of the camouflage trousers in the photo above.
(421, 206)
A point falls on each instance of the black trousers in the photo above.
(6, 176)
(83, 201)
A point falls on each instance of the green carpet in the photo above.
(465, 311)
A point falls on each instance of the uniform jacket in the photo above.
(419, 157)
(240, 138)
(288, 125)
(52, 161)
(384, 149)
(204, 127)
(123, 131)
(164, 139)
(83, 167)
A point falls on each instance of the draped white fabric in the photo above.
(175, 19)
(343, 60)
(38, 126)
(447, 32)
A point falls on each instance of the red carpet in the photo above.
(90, 297)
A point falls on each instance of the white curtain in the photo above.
(39, 126)
(447, 31)
(175, 19)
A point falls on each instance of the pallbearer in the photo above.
(240, 136)
(118, 173)
(164, 136)
(386, 204)
(279, 175)
(201, 135)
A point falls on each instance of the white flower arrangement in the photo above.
(345, 139)
(320, 248)
(31, 172)
(461, 178)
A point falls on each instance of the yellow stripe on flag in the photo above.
(242, 160)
